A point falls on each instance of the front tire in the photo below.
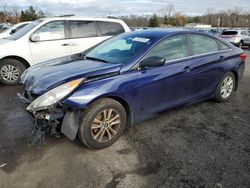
(102, 123)
(10, 71)
(225, 88)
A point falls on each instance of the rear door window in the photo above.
(110, 28)
(82, 29)
(203, 44)
(244, 33)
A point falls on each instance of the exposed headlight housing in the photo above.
(53, 96)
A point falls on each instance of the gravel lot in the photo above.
(201, 145)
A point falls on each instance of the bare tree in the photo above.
(15, 11)
(166, 14)
(180, 19)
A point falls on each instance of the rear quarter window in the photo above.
(223, 46)
(110, 28)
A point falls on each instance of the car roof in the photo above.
(21, 23)
(81, 18)
(159, 33)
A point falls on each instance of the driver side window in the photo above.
(171, 49)
(51, 31)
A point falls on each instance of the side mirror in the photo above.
(35, 37)
(153, 61)
(12, 31)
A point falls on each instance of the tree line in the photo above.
(165, 17)
(15, 15)
(168, 17)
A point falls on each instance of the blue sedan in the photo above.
(126, 79)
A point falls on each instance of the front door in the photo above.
(50, 42)
(166, 86)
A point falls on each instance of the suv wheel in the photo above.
(10, 71)
(240, 44)
(102, 124)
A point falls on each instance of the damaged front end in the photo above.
(49, 115)
(48, 121)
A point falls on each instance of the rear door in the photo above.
(51, 42)
(208, 55)
(83, 35)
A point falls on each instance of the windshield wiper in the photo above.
(96, 59)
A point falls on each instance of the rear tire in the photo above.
(240, 44)
(102, 124)
(225, 88)
(10, 71)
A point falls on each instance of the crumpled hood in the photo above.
(44, 76)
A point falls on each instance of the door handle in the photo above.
(73, 44)
(222, 57)
(186, 69)
(66, 44)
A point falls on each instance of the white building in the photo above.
(198, 25)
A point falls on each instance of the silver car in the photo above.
(237, 37)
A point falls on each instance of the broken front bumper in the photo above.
(55, 119)
(46, 121)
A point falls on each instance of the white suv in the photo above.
(51, 38)
(237, 37)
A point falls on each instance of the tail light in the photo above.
(243, 56)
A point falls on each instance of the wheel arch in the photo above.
(73, 117)
(122, 101)
(127, 108)
(236, 78)
(22, 60)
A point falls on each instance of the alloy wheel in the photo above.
(227, 87)
(105, 125)
(10, 73)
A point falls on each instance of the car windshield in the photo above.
(24, 30)
(120, 49)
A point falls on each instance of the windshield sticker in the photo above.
(139, 39)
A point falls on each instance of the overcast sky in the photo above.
(125, 7)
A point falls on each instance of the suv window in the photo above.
(203, 44)
(51, 31)
(244, 33)
(229, 33)
(81, 29)
(171, 49)
(110, 28)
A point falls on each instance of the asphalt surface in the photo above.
(201, 145)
